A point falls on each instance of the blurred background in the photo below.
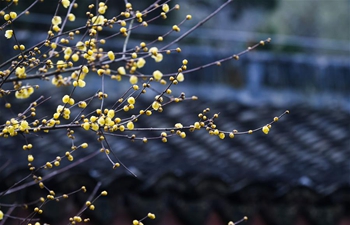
(299, 174)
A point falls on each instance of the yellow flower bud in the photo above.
(30, 158)
(131, 100)
(176, 28)
(13, 15)
(100, 72)
(111, 55)
(65, 99)
(265, 129)
(84, 145)
(86, 126)
(155, 105)
(178, 125)
(151, 216)
(75, 57)
(65, 3)
(71, 101)
(81, 83)
(121, 70)
(130, 125)
(7, 17)
(165, 8)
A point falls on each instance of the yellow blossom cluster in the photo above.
(87, 49)
(56, 21)
(67, 53)
(61, 110)
(13, 126)
(61, 64)
(66, 99)
(157, 56)
(106, 119)
(10, 16)
(103, 120)
(102, 7)
(98, 20)
(79, 75)
(21, 72)
(58, 80)
(24, 92)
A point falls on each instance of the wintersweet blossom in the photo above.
(24, 92)
(24, 125)
(158, 57)
(8, 34)
(65, 3)
(98, 20)
(157, 75)
(133, 79)
(56, 20)
(21, 72)
(130, 125)
(13, 15)
(180, 77)
(155, 105)
(121, 70)
(140, 63)
(111, 55)
(165, 8)
(71, 17)
(131, 100)
(102, 8)
(266, 129)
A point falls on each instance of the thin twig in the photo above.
(197, 25)
(49, 176)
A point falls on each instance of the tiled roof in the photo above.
(310, 146)
(304, 158)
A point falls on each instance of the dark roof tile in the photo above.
(309, 142)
